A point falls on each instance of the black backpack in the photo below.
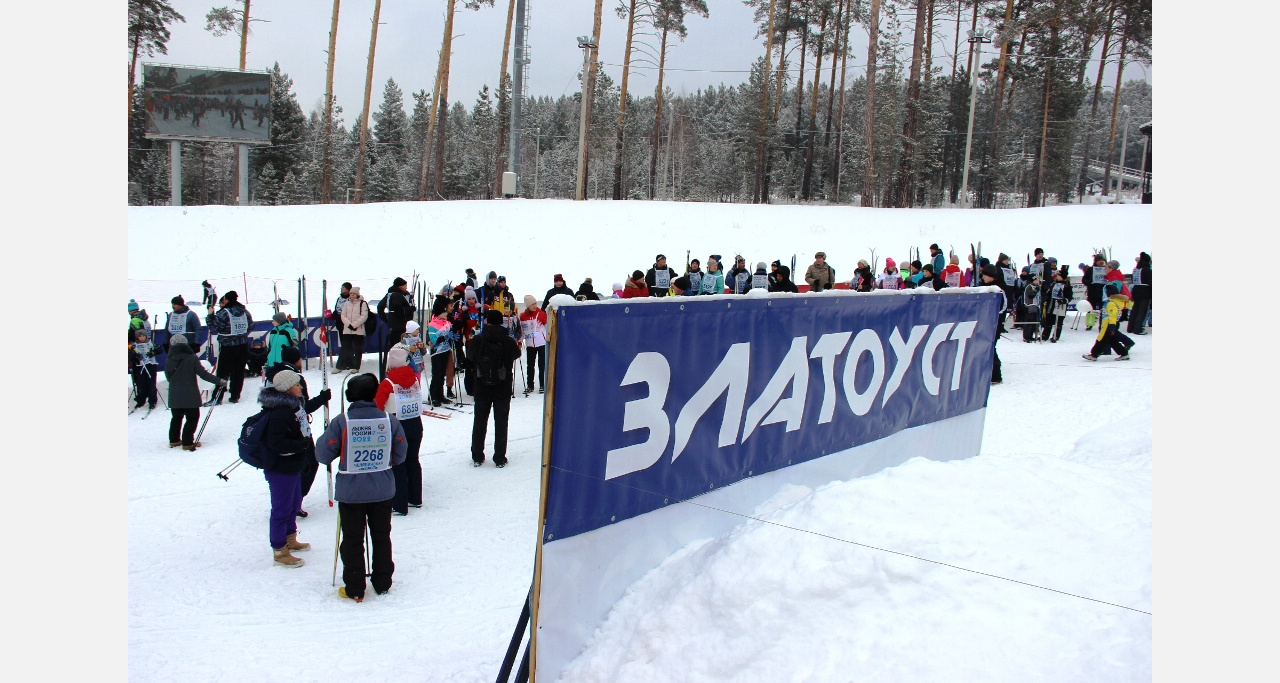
(370, 321)
(252, 443)
(491, 366)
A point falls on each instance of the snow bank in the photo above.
(530, 240)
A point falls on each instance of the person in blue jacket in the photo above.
(364, 487)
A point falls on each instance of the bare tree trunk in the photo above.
(782, 57)
(622, 103)
(903, 195)
(757, 195)
(326, 170)
(955, 50)
(869, 172)
(806, 185)
(1093, 109)
(844, 73)
(657, 114)
(368, 93)
(441, 105)
(442, 68)
(835, 54)
(133, 73)
(502, 105)
(991, 160)
(1115, 110)
(1037, 192)
(928, 46)
(591, 90)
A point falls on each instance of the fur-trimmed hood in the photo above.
(272, 399)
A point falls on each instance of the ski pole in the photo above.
(337, 540)
(368, 552)
(217, 394)
(229, 469)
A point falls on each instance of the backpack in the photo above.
(370, 322)
(252, 443)
(490, 365)
(382, 306)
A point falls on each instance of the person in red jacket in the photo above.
(952, 275)
(635, 287)
(401, 395)
(533, 332)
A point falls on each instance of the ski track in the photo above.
(1061, 495)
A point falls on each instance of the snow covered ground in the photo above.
(1060, 497)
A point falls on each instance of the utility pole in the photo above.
(976, 39)
(588, 45)
(517, 92)
(326, 173)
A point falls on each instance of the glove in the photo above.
(353, 329)
(324, 395)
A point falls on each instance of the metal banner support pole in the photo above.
(242, 156)
(175, 173)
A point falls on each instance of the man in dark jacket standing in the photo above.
(232, 324)
(782, 280)
(560, 288)
(184, 321)
(399, 311)
(1141, 288)
(181, 369)
(492, 352)
(659, 277)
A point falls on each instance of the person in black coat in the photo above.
(991, 275)
(560, 288)
(493, 387)
(291, 359)
(660, 273)
(586, 291)
(1141, 289)
(288, 436)
(399, 311)
(181, 369)
(1095, 281)
(782, 280)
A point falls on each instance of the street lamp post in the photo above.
(1124, 144)
(975, 39)
(587, 44)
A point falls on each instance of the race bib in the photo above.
(709, 285)
(759, 281)
(662, 278)
(695, 281)
(303, 423)
(239, 324)
(1099, 273)
(526, 329)
(408, 402)
(1010, 277)
(953, 279)
(1058, 288)
(1137, 276)
(178, 324)
(142, 349)
(368, 447)
(893, 282)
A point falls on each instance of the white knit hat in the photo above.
(412, 327)
(285, 380)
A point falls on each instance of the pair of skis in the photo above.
(976, 271)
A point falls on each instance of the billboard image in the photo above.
(189, 103)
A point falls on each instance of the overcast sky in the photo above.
(296, 33)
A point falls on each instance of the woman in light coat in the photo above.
(354, 314)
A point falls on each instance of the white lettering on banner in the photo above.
(239, 324)
(408, 402)
(828, 347)
(903, 352)
(794, 370)
(662, 278)
(730, 378)
(368, 447)
(644, 413)
(867, 341)
(938, 336)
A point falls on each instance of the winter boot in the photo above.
(284, 558)
(192, 447)
(292, 543)
(174, 444)
(342, 593)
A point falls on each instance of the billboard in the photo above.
(671, 419)
(191, 103)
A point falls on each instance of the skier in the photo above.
(586, 291)
(782, 280)
(950, 274)
(991, 275)
(636, 286)
(695, 277)
(533, 329)
(398, 309)
(493, 352)
(291, 359)
(138, 320)
(400, 395)
(938, 261)
(143, 369)
(1109, 335)
(863, 279)
(820, 275)
(738, 278)
(210, 297)
(355, 312)
(471, 317)
(365, 484)
(914, 275)
(288, 436)
(181, 369)
(658, 279)
(471, 280)
(759, 279)
(890, 278)
(232, 324)
(183, 321)
(440, 335)
(713, 280)
(279, 337)
(1028, 308)
(411, 342)
(489, 291)
(1141, 294)
(559, 288)
(1095, 279)
(257, 356)
(1056, 313)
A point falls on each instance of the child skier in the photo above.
(890, 278)
(411, 341)
(1109, 335)
(143, 367)
(400, 395)
(1028, 309)
(1059, 297)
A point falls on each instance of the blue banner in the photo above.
(667, 399)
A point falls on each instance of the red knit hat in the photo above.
(889, 263)
(558, 278)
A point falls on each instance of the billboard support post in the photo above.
(242, 158)
(175, 173)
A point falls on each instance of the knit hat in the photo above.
(471, 292)
(362, 387)
(399, 281)
(285, 380)
(177, 300)
(776, 264)
(557, 278)
(290, 355)
(231, 297)
(280, 318)
(1115, 265)
(412, 326)
(637, 275)
(617, 286)
(502, 278)
(588, 280)
(177, 339)
(695, 262)
(889, 263)
(821, 254)
(928, 267)
(991, 271)
(530, 300)
(760, 265)
(659, 257)
(133, 305)
(862, 263)
(682, 283)
(493, 317)
(493, 273)
(397, 357)
(140, 333)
